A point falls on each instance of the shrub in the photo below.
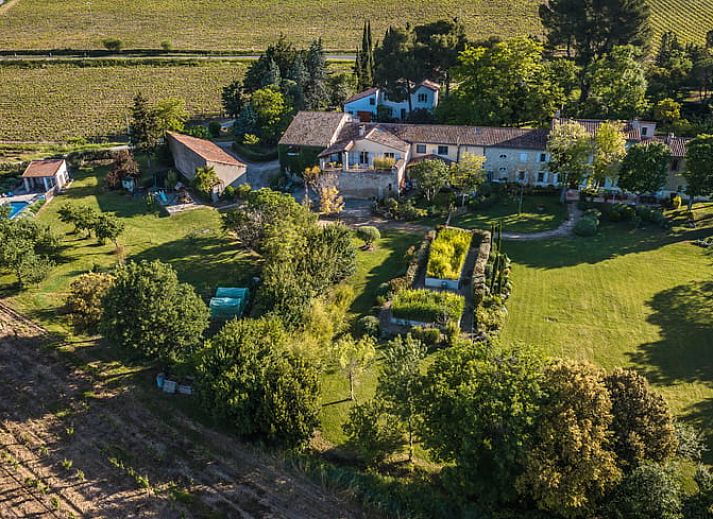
(427, 306)
(368, 325)
(651, 215)
(448, 253)
(167, 45)
(214, 128)
(372, 432)
(384, 162)
(242, 191)
(490, 314)
(113, 44)
(428, 335)
(229, 193)
(368, 234)
(586, 226)
(84, 302)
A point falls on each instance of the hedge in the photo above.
(448, 253)
(427, 306)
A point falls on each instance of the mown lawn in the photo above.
(253, 24)
(639, 298)
(539, 213)
(191, 242)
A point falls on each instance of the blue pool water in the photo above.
(16, 207)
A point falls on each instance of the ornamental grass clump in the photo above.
(448, 252)
(427, 306)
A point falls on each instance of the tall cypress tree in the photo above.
(364, 65)
(316, 95)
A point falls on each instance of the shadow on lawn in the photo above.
(205, 262)
(684, 315)
(394, 265)
(611, 241)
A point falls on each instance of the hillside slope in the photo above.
(252, 24)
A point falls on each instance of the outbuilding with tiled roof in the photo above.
(190, 153)
(49, 175)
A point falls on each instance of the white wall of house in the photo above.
(421, 98)
(447, 151)
(364, 152)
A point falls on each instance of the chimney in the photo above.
(362, 130)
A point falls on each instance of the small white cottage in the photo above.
(45, 175)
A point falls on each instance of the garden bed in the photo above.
(447, 258)
(426, 307)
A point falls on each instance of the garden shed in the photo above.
(229, 303)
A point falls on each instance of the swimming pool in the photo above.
(16, 207)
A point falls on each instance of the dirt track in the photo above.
(75, 444)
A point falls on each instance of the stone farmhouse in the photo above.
(371, 160)
(190, 153)
(363, 106)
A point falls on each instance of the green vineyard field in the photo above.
(252, 24)
(60, 102)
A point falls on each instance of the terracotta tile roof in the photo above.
(677, 145)
(429, 84)
(592, 125)
(207, 150)
(386, 138)
(361, 95)
(316, 129)
(43, 168)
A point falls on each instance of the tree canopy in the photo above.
(644, 169)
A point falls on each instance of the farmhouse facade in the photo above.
(364, 105)
(371, 160)
(190, 153)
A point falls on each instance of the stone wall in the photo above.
(368, 184)
(185, 160)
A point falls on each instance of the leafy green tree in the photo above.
(642, 425)
(699, 167)
(617, 85)
(569, 467)
(645, 167)
(83, 217)
(108, 227)
(569, 146)
(588, 29)
(271, 114)
(507, 84)
(262, 73)
(667, 111)
(400, 383)
(149, 312)
(353, 357)
(340, 87)
(113, 44)
(700, 504)
(364, 62)
(396, 68)
(232, 98)
(431, 176)
(172, 114)
(609, 150)
(650, 491)
(206, 180)
(671, 69)
(437, 47)
(373, 432)
(26, 248)
(266, 214)
(250, 376)
(84, 302)
(468, 174)
(479, 407)
(330, 255)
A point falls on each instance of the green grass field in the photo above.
(253, 24)
(639, 298)
(61, 102)
(539, 213)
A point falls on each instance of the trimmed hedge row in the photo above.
(448, 253)
(427, 306)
